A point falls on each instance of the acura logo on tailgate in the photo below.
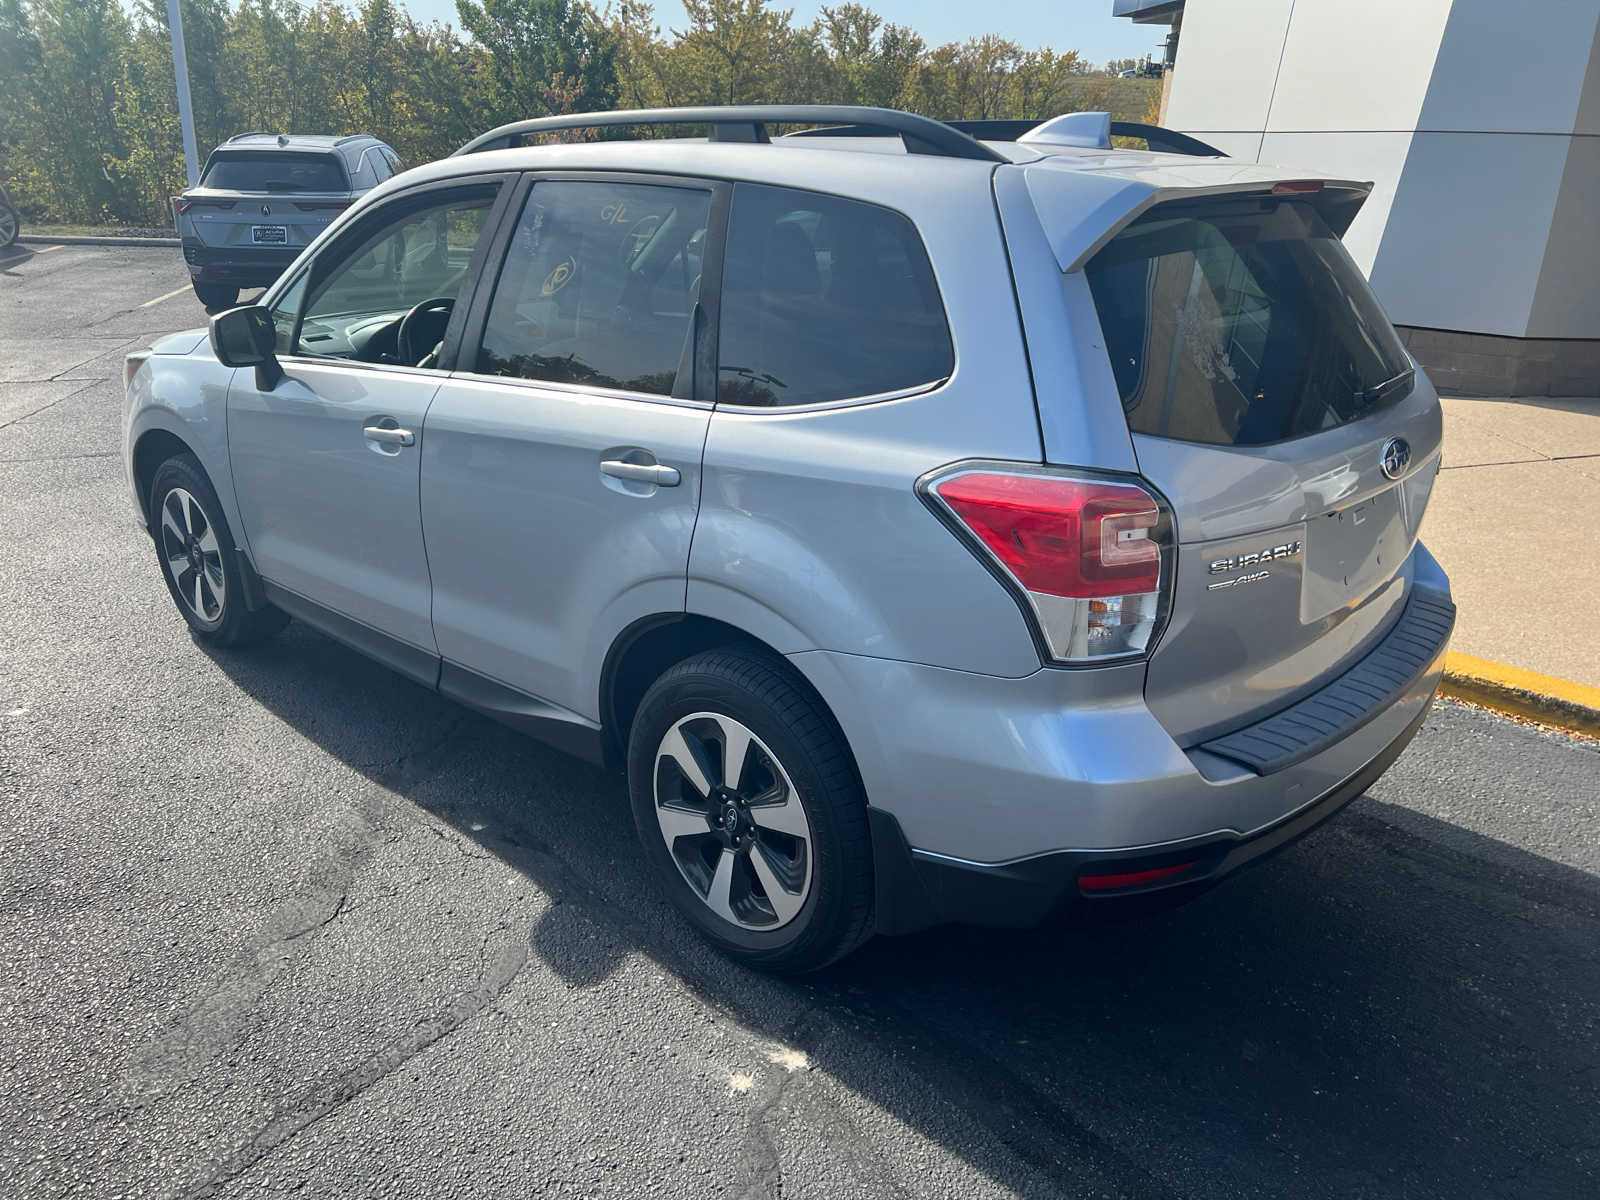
(1395, 457)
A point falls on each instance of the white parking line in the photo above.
(168, 296)
(47, 249)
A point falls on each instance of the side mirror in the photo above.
(246, 337)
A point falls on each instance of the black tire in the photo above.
(216, 296)
(10, 227)
(221, 616)
(794, 736)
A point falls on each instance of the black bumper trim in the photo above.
(916, 891)
(1292, 735)
(248, 266)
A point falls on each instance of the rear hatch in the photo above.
(1272, 404)
(264, 199)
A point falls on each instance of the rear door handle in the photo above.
(655, 473)
(386, 436)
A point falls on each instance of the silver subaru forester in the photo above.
(933, 528)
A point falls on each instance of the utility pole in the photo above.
(180, 69)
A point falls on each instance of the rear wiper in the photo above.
(1378, 391)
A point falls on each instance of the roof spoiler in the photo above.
(1080, 211)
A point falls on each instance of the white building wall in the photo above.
(1473, 118)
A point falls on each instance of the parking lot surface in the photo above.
(283, 922)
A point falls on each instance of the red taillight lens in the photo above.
(1086, 554)
(180, 206)
(1062, 537)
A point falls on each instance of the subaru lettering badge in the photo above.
(1395, 457)
(266, 210)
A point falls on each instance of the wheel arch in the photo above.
(154, 447)
(649, 646)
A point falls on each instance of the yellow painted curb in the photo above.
(1522, 693)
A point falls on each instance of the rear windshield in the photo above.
(1242, 322)
(274, 171)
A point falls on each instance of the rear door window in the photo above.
(825, 299)
(1240, 323)
(274, 171)
(599, 286)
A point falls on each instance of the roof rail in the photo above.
(748, 123)
(1158, 138)
(354, 137)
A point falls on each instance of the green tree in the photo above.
(72, 141)
(88, 110)
(546, 56)
(732, 52)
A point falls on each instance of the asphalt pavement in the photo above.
(283, 922)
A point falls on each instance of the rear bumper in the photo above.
(246, 266)
(992, 798)
(917, 890)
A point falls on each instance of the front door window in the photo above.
(384, 294)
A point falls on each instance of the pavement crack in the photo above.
(58, 400)
(460, 845)
(44, 458)
(326, 1098)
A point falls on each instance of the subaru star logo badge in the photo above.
(266, 210)
(1395, 457)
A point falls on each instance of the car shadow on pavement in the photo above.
(1386, 1008)
(14, 255)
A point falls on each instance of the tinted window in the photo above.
(825, 299)
(1242, 323)
(363, 283)
(274, 171)
(598, 286)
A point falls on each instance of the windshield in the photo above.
(273, 171)
(1240, 322)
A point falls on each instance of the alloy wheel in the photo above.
(733, 821)
(192, 555)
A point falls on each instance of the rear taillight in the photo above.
(1088, 557)
(179, 206)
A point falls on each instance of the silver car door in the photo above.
(561, 466)
(325, 462)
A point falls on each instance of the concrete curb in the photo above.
(73, 240)
(1520, 693)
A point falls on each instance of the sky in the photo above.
(1086, 26)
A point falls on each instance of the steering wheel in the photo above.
(405, 345)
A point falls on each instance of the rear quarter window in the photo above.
(274, 171)
(1242, 322)
(825, 299)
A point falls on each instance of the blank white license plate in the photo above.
(272, 234)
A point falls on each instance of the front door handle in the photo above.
(386, 436)
(656, 473)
